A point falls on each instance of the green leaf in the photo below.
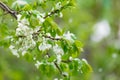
(5, 43)
(27, 7)
(52, 58)
(78, 44)
(3, 31)
(86, 68)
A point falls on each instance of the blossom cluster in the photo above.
(58, 49)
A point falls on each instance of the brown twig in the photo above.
(55, 11)
(52, 38)
(51, 13)
(66, 61)
(8, 10)
(57, 66)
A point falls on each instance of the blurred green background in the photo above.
(96, 23)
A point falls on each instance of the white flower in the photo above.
(23, 30)
(40, 17)
(48, 34)
(19, 2)
(38, 63)
(69, 36)
(101, 30)
(77, 59)
(23, 53)
(14, 51)
(58, 50)
(70, 20)
(18, 17)
(23, 21)
(37, 29)
(58, 5)
(85, 61)
(34, 58)
(58, 59)
(100, 69)
(56, 79)
(57, 36)
(44, 46)
(114, 55)
(26, 43)
(61, 15)
(70, 58)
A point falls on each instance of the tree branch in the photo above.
(52, 38)
(8, 10)
(66, 61)
(57, 66)
(51, 13)
(55, 11)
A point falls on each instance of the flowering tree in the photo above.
(38, 37)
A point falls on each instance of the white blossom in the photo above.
(48, 34)
(37, 29)
(19, 17)
(70, 58)
(58, 50)
(61, 15)
(34, 58)
(14, 51)
(85, 61)
(19, 2)
(40, 17)
(114, 55)
(25, 44)
(58, 59)
(70, 20)
(100, 70)
(77, 59)
(38, 63)
(23, 30)
(69, 36)
(57, 36)
(58, 5)
(101, 30)
(56, 79)
(23, 21)
(44, 46)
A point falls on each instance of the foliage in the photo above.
(37, 38)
